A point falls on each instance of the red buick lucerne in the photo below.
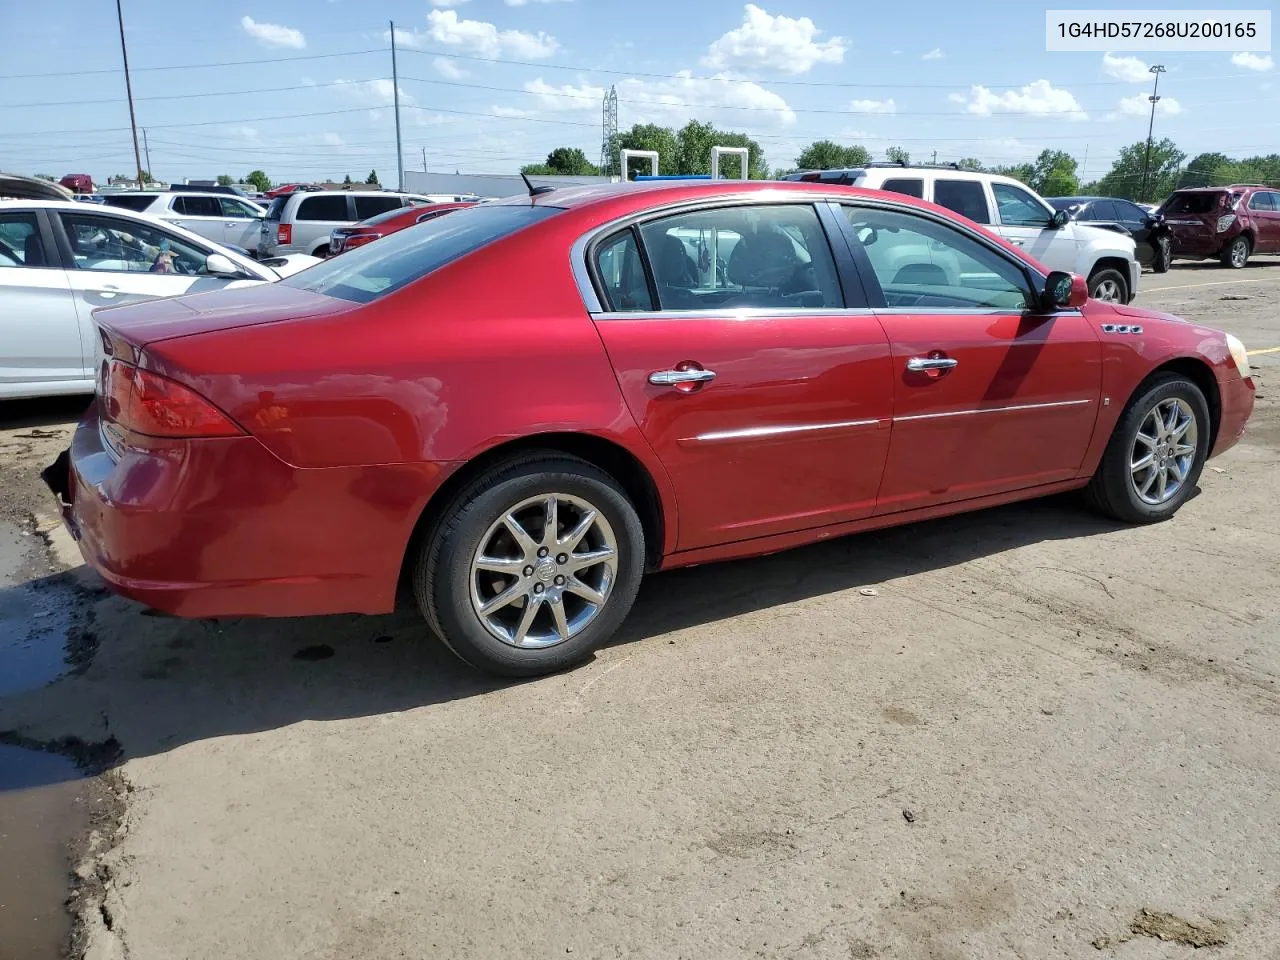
(522, 407)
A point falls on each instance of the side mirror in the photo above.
(1065, 291)
(218, 265)
(1060, 219)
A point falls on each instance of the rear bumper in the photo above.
(1237, 407)
(221, 527)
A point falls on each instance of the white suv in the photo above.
(1013, 211)
(300, 222)
(222, 218)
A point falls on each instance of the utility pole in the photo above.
(128, 89)
(935, 158)
(147, 149)
(1157, 69)
(395, 91)
(424, 159)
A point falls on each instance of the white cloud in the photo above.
(448, 69)
(509, 112)
(774, 43)
(1139, 106)
(521, 3)
(1261, 62)
(934, 54)
(483, 39)
(372, 93)
(448, 3)
(1040, 98)
(1130, 69)
(273, 35)
(243, 133)
(685, 97)
(873, 106)
(566, 96)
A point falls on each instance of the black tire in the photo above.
(442, 576)
(1164, 255)
(1112, 491)
(322, 252)
(1099, 278)
(1236, 254)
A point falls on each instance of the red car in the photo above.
(367, 231)
(522, 407)
(1228, 223)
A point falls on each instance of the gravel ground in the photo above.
(1043, 735)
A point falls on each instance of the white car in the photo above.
(302, 221)
(220, 217)
(1012, 210)
(60, 260)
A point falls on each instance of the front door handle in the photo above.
(1018, 243)
(919, 364)
(673, 378)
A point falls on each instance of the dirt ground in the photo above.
(1043, 735)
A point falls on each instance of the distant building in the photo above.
(485, 184)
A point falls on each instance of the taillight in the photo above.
(284, 233)
(156, 406)
(359, 240)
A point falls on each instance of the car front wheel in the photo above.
(1155, 455)
(532, 567)
(1108, 286)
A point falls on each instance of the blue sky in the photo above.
(490, 84)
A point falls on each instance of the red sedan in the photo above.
(367, 231)
(522, 407)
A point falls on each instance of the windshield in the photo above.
(369, 272)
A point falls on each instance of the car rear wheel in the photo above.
(1155, 455)
(1236, 255)
(1164, 255)
(1108, 286)
(532, 567)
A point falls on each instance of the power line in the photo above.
(192, 66)
(195, 96)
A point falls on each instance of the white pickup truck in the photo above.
(1012, 210)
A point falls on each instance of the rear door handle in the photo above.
(672, 378)
(918, 364)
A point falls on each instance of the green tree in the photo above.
(1265, 170)
(1124, 179)
(693, 150)
(970, 163)
(1024, 172)
(260, 181)
(225, 180)
(539, 170)
(1054, 174)
(649, 136)
(47, 176)
(897, 155)
(346, 181)
(372, 178)
(570, 162)
(1200, 172)
(829, 155)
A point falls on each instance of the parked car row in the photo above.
(1229, 224)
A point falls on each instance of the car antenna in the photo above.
(534, 191)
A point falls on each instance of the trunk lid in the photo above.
(1195, 213)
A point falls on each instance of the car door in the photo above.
(40, 337)
(1139, 224)
(1026, 221)
(990, 394)
(117, 260)
(200, 214)
(241, 223)
(1266, 219)
(766, 399)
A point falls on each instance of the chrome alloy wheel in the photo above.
(543, 571)
(1108, 291)
(1164, 451)
(1239, 253)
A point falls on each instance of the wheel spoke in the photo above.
(1183, 428)
(507, 596)
(1176, 469)
(551, 523)
(520, 535)
(1175, 416)
(562, 625)
(574, 536)
(590, 594)
(1184, 449)
(1162, 483)
(580, 561)
(1149, 442)
(1145, 489)
(1143, 464)
(532, 605)
(510, 567)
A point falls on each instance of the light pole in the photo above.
(1157, 69)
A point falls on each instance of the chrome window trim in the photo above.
(754, 433)
(764, 313)
(579, 251)
(1010, 408)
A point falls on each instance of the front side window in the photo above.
(965, 197)
(330, 206)
(372, 271)
(1018, 208)
(1261, 201)
(20, 244)
(197, 206)
(129, 246)
(920, 264)
(1102, 210)
(621, 273)
(237, 209)
(769, 257)
(367, 207)
(905, 186)
(1129, 212)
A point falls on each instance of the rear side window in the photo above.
(197, 206)
(905, 186)
(276, 210)
(332, 206)
(128, 201)
(367, 207)
(367, 273)
(1102, 210)
(621, 273)
(1193, 203)
(965, 197)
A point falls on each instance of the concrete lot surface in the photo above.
(1043, 735)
